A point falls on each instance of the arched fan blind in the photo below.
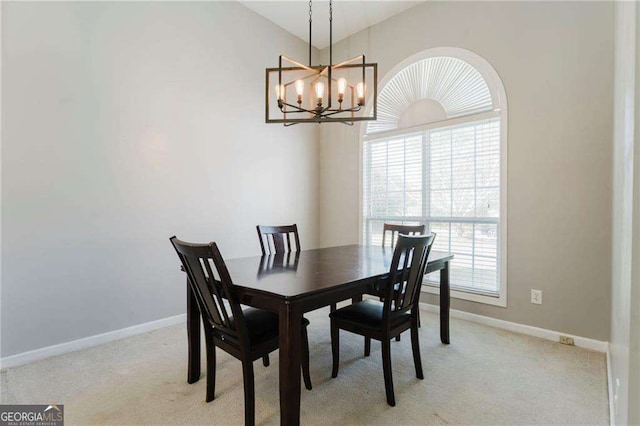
(452, 82)
(445, 173)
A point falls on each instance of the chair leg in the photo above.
(386, 366)
(419, 322)
(305, 359)
(367, 346)
(265, 360)
(335, 348)
(415, 345)
(333, 307)
(249, 394)
(211, 368)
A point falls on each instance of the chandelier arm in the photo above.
(337, 111)
(300, 112)
(319, 113)
(297, 109)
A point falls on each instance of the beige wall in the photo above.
(634, 318)
(123, 124)
(625, 312)
(556, 63)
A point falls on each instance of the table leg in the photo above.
(193, 336)
(445, 300)
(290, 337)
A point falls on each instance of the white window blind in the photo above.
(449, 179)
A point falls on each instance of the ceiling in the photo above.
(349, 16)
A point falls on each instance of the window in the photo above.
(441, 166)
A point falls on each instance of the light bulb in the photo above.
(279, 91)
(319, 92)
(342, 87)
(360, 93)
(299, 90)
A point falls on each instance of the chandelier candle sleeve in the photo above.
(319, 93)
(342, 87)
(360, 90)
(280, 91)
(299, 90)
(337, 92)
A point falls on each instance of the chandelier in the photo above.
(321, 93)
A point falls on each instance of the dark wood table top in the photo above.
(294, 274)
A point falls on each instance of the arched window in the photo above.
(437, 155)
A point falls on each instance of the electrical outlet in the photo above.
(565, 340)
(536, 296)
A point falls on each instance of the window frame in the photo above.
(500, 110)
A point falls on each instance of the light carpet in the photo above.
(486, 376)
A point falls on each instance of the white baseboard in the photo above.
(87, 342)
(583, 342)
(612, 407)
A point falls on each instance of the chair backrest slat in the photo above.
(278, 242)
(195, 272)
(213, 288)
(400, 229)
(277, 239)
(405, 276)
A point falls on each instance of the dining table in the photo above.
(291, 284)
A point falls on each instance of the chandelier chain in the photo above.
(330, 41)
(309, 32)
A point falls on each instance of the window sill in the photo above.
(499, 300)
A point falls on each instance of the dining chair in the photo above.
(247, 334)
(400, 229)
(383, 321)
(277, 239)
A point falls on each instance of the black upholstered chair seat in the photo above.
(262, 325)
(367, 313)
